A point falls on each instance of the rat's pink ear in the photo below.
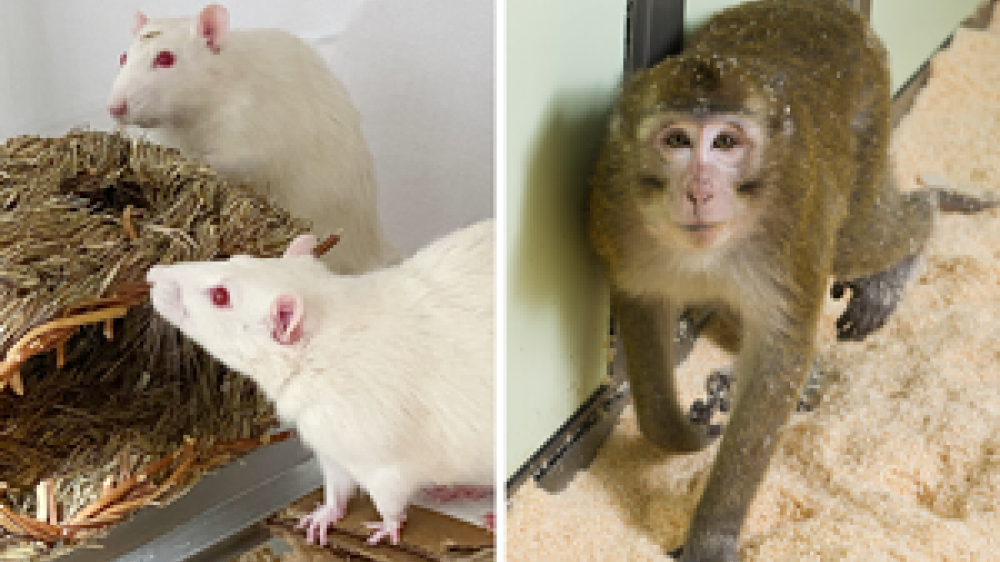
(286, 319)
(213, 25)
(303, 245)
(138, 23)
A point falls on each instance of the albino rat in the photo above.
(262, 108)
(387, 375)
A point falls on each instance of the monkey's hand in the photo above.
(873, 300)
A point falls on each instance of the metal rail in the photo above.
(217, 519)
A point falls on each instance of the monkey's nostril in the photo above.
(699, 197)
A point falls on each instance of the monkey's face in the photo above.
(697, 177)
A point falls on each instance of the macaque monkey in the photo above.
(744, 174)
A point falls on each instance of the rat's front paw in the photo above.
(317, 522)
(385, 529)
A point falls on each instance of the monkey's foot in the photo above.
(718, 386)
(385, 529)
(873, 300)
(720, 389)
(317, 522)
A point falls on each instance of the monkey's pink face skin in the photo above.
(700, 184)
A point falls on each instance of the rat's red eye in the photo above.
(123, 58)
(164, 59)
(219, 296)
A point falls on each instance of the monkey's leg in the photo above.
(648, 328)
(772, 368)
(877, 251)
(903, 224)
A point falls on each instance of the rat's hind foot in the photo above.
(385, 529)
(316, 523)
(873, 300)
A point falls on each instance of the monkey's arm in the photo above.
(777, 349)
(771, 371)
(648, 328)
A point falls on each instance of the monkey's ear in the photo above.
(213, 25)
(287, 312)
(138, 22)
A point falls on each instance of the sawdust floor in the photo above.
(901, 461)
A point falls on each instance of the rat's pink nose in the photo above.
(118, 108)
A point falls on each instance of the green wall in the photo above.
(564, 64)
(913, 29)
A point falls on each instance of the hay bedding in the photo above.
(98, 420)
(901, 460)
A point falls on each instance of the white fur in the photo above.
(392, 382)
(267, 111)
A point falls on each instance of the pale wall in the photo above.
(564, 63)
(421, 73)
(913, 29)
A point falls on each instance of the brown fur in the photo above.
(814, 79)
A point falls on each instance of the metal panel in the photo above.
(655, 30)
(217, 518)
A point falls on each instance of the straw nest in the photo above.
(105, 407)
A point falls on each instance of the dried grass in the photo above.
(127, 412)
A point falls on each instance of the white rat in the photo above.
(388, 376)
(261, 107)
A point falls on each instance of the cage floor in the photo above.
(435, 531)
(901, 460)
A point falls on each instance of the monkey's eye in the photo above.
(676, 139)
(750, 188)
(122, 59)
(219, 296)
(725, 141)
(164, 59)
(650, 183)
